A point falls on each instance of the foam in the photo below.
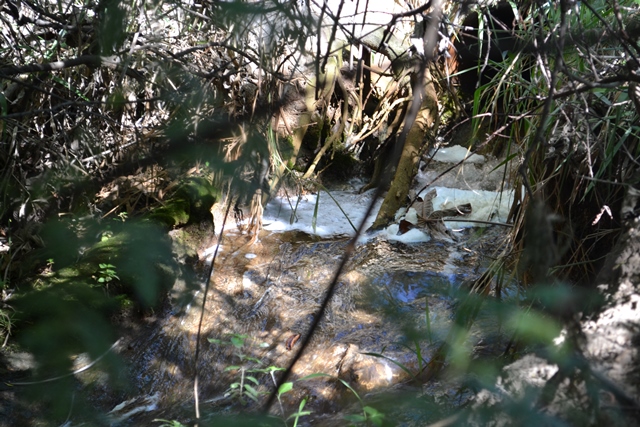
(456, 154)
(332, 222)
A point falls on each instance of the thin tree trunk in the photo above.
(418, 136)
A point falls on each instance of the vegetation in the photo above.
(122, 120)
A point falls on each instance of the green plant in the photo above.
(48, 268)
(369, 414)
(284, 388)
(106, 274)
(125, 302)
(246, 386)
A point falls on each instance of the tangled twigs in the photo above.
(112, 62)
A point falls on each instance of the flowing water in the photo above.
(269, 292)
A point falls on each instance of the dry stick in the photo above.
(204, 301)
(112, 62)
(474, 221)
(332, 37)
(418, 91)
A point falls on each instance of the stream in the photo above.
(269, 292)
(391, 309)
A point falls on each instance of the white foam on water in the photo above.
(282, 214)
(287, 214)
(412, 236)
(339, 213)
(456, 154)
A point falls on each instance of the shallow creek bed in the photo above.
(391, 310)
(264, 296)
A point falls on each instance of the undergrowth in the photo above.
(152, 126)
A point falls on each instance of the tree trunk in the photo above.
(418, 135)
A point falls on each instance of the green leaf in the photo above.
(284, 388)
(251, 392)
(355, 418)
(71, 88)
(373, 415)
(347, 385)
(428, 319)
(113, 24)
(253, 380)
(250, 389)
(535, 327)
(419, 354)
(298, 415)
(320, 374)
(371, 411)
(238, 340)
(300, 412)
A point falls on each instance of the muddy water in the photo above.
(269, 292)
